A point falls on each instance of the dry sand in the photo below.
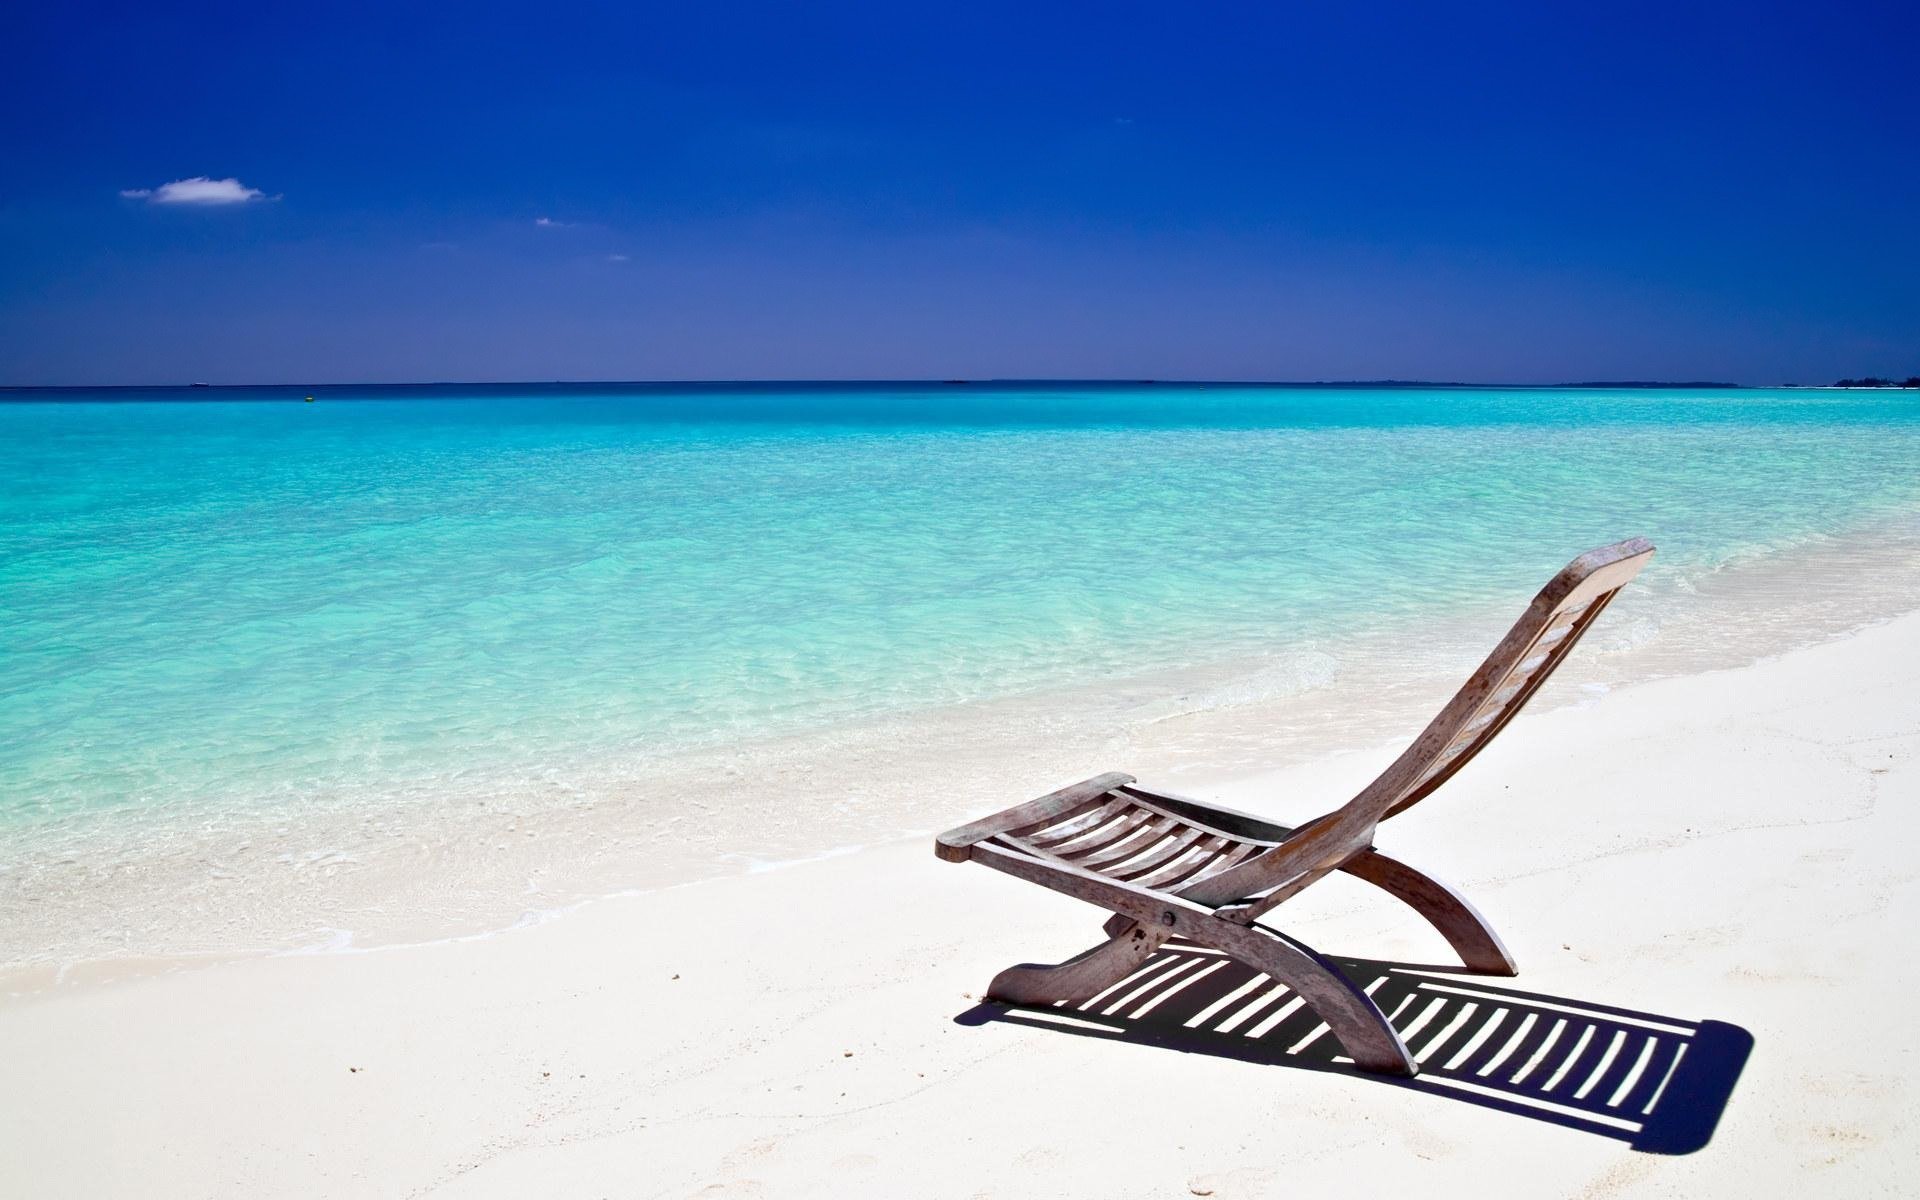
(1735, 847)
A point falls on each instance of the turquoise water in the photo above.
(249, 600)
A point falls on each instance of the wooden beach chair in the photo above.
(1168, 867)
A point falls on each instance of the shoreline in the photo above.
(1724, 846)
(570, 855)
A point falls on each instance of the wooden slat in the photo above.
(1556, 634)
(1185, 815)
(1147, 833)
(1189, 864)
(1099, 832)
(1056, 821)
(1487, 717)
(1226, 862)
(1564, 618)
(1169, 850)
(1115, 862)
(954, 843)
(1110, 805)
(1111, 834)
(1240, 826)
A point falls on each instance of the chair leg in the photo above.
(1081, 977)
(1349, 1012)
(1445, 909)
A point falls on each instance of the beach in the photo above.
(1729, 845)
(549, 807)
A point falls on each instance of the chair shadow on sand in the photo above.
(1657, 1083)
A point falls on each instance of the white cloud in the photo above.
(616, 258)
(550, 223)
(199, 190)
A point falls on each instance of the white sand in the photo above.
(1736, 846)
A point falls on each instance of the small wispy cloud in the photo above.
(198, 190)
(550, 223)
(616, 258)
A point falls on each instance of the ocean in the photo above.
(233, 609)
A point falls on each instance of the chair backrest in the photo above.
(1540, 641)
(1537, 643)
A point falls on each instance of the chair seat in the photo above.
(1126, 837)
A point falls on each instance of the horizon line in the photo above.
(987, 381)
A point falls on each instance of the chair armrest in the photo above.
(956, 845)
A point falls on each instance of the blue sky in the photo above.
(1533, 192)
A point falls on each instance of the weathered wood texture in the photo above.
(1168, 866)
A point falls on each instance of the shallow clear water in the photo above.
(249, 601)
